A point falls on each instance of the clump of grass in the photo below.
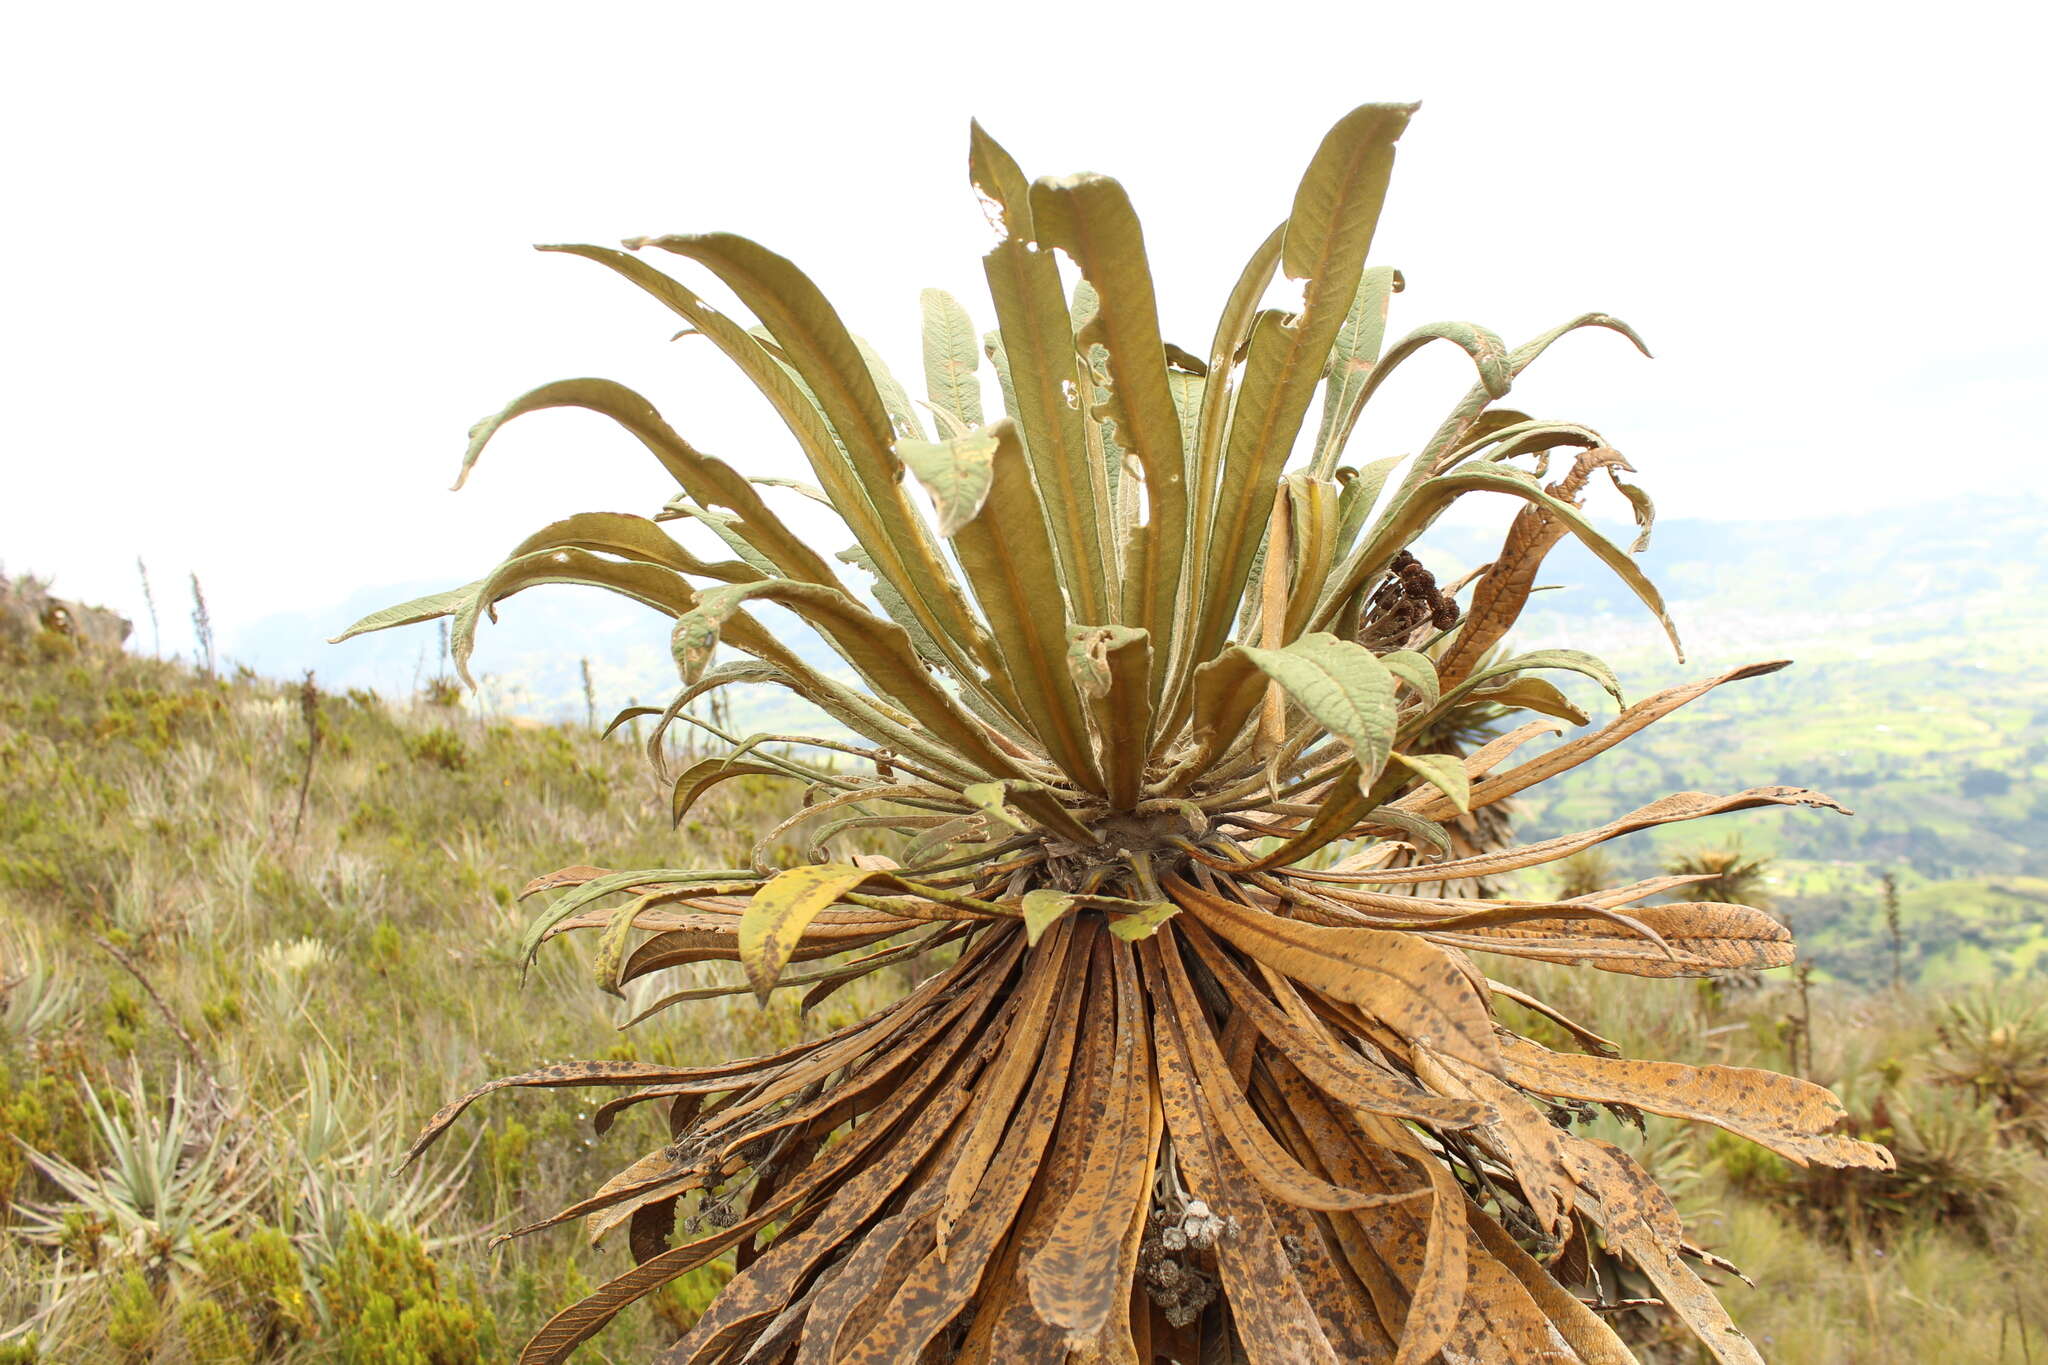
(39, 994)
(173, 1168)
(1994, 1044)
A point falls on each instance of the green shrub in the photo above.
(124, 1019)
(389, 1306)
(43, 1109)
(135, 1320)
(507, 1149)
(440, 747)
(211, 1335)
(682, 1301)
(386, 945)
(258, 1283)
(1994, 1044)
(221, 1011)
(443, 692)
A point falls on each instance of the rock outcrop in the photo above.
(28, 612)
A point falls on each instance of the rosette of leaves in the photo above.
(1203, 1077)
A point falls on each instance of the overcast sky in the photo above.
(264, 265)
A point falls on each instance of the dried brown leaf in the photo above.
(1410, 985)
(1792, 1117)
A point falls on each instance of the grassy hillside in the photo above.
(298, 997)
(222, 1022)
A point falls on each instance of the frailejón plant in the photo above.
(1156, 730)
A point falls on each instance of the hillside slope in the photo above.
(272, 1005)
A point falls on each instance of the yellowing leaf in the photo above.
(611, 947)
(778, 914)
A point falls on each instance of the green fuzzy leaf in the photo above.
(596, 890)
(1110, 667)
(1336, 212)
(1233, 329)
(648, 584)
(696, 632)
(1415, 507)
(1090, 218)
(634, 538)
(865, 480)
(957, 473)
(1571, 660)
(903, 419)
(1526, 353)
(951, 355)
(727, 530)
(630, 713)
(1143, 923)
(1012, 566)
(1489, 353)
(899, 610)
(809, 490)
(1445, 772)
(705, 481)
(1042, 909)
(1358, 492)
(1532, 694)
(703, 775)
(1427, 830)
(431, 607)
(1033, 353)
(1349, 692)
(1352, 357)
(1416, 670)
(1504, 439)
(987, 798)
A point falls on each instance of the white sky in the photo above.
(266, 264)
